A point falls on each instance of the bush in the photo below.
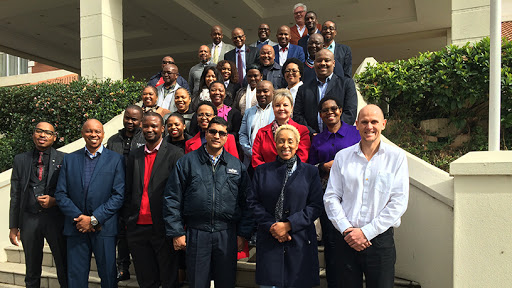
(66, 106)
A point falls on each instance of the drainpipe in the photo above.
(495, 77)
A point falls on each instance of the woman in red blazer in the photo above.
(205, 112)
(264, 146)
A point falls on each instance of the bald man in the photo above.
(326, 83)
(367, 194)
(315, 44)
(157, 80)
(90, 191)
(242, 55)
(218, 48)
(284, 50)
(194, 75)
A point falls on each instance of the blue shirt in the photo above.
(325, 145)
(322, 87)
(90, 155)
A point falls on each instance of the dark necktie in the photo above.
(240, 66)
(40, 166)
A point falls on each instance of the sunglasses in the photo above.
(331, 109)
(214, 132)
(46, 132)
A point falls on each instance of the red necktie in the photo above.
(240, 67)
(40, 166)
(284, 49)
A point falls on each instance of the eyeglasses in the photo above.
(294, 71)
(169, 72)
(299, 12)
(46, 132)
(167, 62)
(263, 29)
(238, 37)
(204, 115)
(331, 109)
(214, 132)
(330, 28)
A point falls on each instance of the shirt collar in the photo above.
(147, 151)
(326, 80)
(238, 49)
(382, 148)
(92, 156)
(266, 107)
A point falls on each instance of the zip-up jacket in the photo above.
(211, 198)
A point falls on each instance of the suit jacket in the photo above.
(305, 109)
(293, 52)
(264, 146)
(105, 194)
(195, 143)
(225, 48)
(20, 179)
(165, 161)
(343, 58)
(295, 36)
(255, 44)
(251, 56)
(298, 267)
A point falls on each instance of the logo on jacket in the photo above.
(232, 171)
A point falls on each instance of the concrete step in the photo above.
(14, 274)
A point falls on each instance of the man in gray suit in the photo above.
(263, 37)
(218, 48)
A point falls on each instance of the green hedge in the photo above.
(66, 106)
(452, 83)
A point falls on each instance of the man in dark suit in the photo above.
(342, 53)
(325, 84)
(284, 50)
(242, 56)
(33, 212)
(311, 25)
(90, 192)
(147, 170)
(218, 48)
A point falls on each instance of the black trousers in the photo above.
(154, 258)
(211, 256)
(329, 239)
(123, 253)
(37, 227)
(377, 262)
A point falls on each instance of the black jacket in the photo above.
(20, 179)
(205, 198)
(305, 110)
(115, 142)
(165, 162)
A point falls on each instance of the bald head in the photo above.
(267, 55)
(204, 54)
(216, 34)
(324, 64)
(370, 123)
(315, 44)
(283, 35)
(92, 132)
(264, 93)
(238, 37)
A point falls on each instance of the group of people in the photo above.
(258, 144)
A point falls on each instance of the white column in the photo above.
(101, 39)
(482, 219)
(495, 77)
(470, 20)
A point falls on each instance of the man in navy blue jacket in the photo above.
(90, 192)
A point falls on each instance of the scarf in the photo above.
(289, 171)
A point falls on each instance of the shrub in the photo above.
(451, 83)
(66, 106)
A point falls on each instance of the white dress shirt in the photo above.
(371, 195)
(166, 97)
(294, 90)
(283, 55)
(261, 119)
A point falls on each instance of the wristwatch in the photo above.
(94, 221)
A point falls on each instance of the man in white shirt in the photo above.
(166, 91)
(367, 193)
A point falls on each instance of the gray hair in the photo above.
(300, 5)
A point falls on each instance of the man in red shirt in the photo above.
(147, 169)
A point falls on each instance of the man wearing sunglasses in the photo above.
(205, 210)
(33, 211)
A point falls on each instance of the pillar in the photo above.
(482, 219)
(101, 39)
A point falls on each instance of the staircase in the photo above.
(12, 272)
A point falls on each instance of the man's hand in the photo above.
(14, 236)
(355, 239)
(46, 201)
(179, 242)
(241, 243)
(279, 230)
(83, 224)
(327, 166)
